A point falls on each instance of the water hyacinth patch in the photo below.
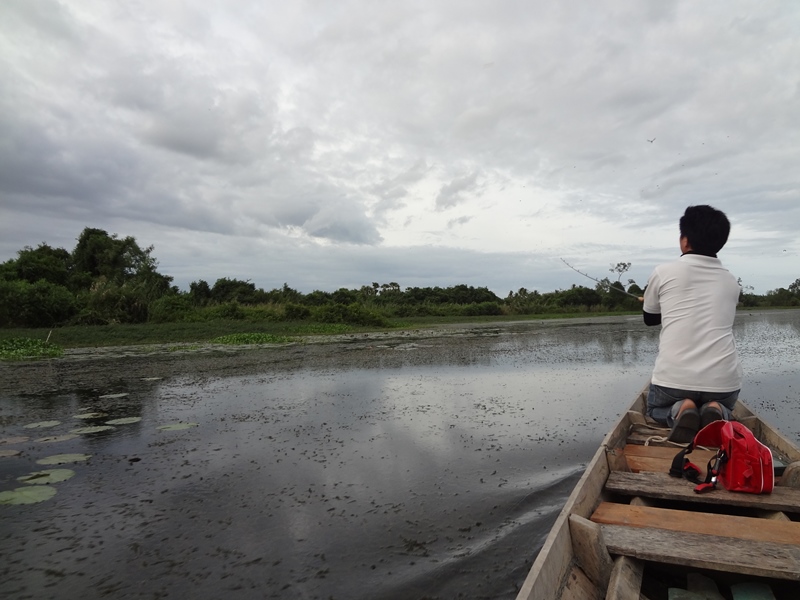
(25, 348)
(95, 429)
(41, 425)
(124, 421)
(251, 338)
(47, 476)
(60, 459)
(28, 495)
(177, 426)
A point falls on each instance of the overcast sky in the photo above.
(334, 144)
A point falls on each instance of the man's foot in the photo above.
(709, 413)
(687, 423)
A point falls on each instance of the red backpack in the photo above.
(742, 463)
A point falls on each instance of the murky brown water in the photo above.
(413, 467)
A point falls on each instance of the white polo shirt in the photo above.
(696, 297)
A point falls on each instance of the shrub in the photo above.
(170, 309)
(354, 314)
(296, 312)
(40, 304)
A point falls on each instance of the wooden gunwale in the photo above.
(558, 573)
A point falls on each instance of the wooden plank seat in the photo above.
(658, 459)
(665, 487)
(728, 543)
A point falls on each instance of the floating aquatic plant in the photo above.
(124, 421)
(57, 438)
(251, 338)
(60, 459)
(177, 426)
(47, 476)
(28, 495)
(95, 429)
(112, 396)
(25, 348)
(90, 415)
(41, 425)
(14, 440)
(9, 453)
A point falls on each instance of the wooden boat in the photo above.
(630, 531)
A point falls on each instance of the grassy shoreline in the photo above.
(84, 336)
(98, 336)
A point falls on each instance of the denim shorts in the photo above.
(663, 403)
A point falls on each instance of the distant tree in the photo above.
(620, 269)
(233, 290)
(199, 293)
(43, 263)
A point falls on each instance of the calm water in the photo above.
(434, 478)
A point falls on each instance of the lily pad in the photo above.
(111, 396)
(57, 438)
(90, 415)
(14, 440)
(124, 421)
(95, 429)
(42, 424)
(7, 453)
(177, 426)
(60, 459)
(28, 495)
(47, 476)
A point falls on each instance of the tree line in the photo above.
(107, 279)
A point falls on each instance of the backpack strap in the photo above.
(683, 467)
(712, 471)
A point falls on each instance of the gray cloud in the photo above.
(357, 127)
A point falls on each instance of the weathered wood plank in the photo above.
(626, 579)
(734, 527)
(590, 550)
(760, 559)
(791, 476)
(662, 486)
(577, 587)
(658, 459)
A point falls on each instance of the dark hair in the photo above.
(706, 229)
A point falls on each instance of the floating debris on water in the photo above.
(124, 421)
(95, 429)
(60, 459)
(14, 440)
(28, 495)
(47, 476)
(90, 415)
(177, 426)
(41, 425)
(57, 438)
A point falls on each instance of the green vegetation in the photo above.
(21, 348)
(251, 338)
(113, 285)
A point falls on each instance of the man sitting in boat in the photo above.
(697, 374)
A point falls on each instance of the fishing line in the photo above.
(606, 285)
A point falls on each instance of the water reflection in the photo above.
(431, 469)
